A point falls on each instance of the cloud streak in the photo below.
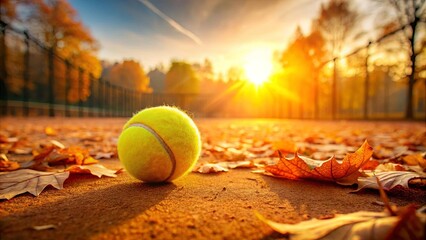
(172, 22)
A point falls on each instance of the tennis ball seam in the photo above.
(163, 144)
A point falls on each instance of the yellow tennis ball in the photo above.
(159, 144)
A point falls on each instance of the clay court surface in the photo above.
(199, 206)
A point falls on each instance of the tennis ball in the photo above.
(159, 144)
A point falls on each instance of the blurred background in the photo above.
(300, 59)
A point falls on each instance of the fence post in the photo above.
(113, 100)
(51, 82)
(367, 82)
(80, 90)
(316, 95)
(3, 71)
(108, 92)
(301, 107)
(100, 104)
(386, 97)
(26, 73)
(67, 87)
(289, 109)
(333, 91)
(125, 102)
(92, 95)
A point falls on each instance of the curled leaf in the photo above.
(388, 179)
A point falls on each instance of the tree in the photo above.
(181, 78)
(8, 10)
(235, 74)
(412, 15)
(57, 24)
(157, 78)
(302, 60)
(337, 22)
(128, 74)
(7, 13)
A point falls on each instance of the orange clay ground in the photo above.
(198, 206)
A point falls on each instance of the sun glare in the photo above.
(258, 66)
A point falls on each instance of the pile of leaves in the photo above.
(44, 161)
(398, 158)
(326, 151)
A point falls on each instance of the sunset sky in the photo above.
(228, 32)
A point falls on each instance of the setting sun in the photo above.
(258, 66)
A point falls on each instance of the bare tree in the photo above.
(412, 15)
(337, 22)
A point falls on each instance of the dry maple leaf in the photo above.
(389, 179)
(358, 225)
(27, 180)
(344, 172)
(94, 169)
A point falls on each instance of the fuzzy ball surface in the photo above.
(159, 144)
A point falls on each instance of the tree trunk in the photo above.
(3, 70)
(409, 113)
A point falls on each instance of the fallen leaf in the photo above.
(209, 168)
(286, 146)
(4, 139)
(6, 165)
(44, 227)
(106, 155)
(388, 179)
(387, 167)
(54, 155)
(240, 164)
(57, 144)
(358, 225)
(370, 165)
(415, 159)
(27, 180)
(344, 172)
(50, 131)
(94, 169)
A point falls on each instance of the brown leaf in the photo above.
(27, 180)
(358, 225)
(44, 227)
(388, 179)
(94, 169)
(209, 168)
(415, 159)
(344, 172)
(71, 155)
